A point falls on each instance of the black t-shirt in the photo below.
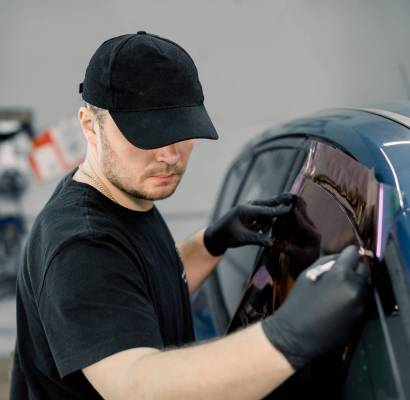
(95, 279)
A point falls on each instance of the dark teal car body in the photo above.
(376, 142)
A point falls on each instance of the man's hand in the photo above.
(323, 307)
(246, 224)
(297, 237)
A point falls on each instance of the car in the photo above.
(350, 170)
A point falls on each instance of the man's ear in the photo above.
(86, 119)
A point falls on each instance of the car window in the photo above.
(266, 178)
(230, 186)
(268, 175)
(308, 230)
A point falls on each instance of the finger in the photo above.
(283, 198)
(253, 211)
(348, 259)
(258, 239)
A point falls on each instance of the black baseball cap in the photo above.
(151, 89)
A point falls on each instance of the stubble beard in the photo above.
(110, 163)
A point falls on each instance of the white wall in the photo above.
(260, 62)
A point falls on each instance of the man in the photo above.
(102, 298)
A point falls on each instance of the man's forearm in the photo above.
(254, 361)
(243, 365)
(198, 262)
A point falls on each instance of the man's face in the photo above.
(145, 174)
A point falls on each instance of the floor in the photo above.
(4, 378)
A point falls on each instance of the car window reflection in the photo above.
(269, 173)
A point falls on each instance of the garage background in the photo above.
(260, 62)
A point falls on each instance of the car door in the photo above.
(380, 365)
(337, 206)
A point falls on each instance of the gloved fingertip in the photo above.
(349, 257)
(352, 252)
(281, 209)
(286, 198)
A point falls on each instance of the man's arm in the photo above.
(243, 365)
(198, 262)
(250, 363)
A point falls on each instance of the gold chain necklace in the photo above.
(97, 182)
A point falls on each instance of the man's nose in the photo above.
(168, 154)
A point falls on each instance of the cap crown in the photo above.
(140, 72)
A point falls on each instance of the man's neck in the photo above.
(90, 175)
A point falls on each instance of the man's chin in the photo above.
(164, 195)
(159, 193)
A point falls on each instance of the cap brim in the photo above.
(157, 128)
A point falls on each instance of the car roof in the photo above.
(377, 137)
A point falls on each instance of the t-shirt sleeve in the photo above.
(94, 303)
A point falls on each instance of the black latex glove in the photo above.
(298, 237)
(246, 224)
(319, 315)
